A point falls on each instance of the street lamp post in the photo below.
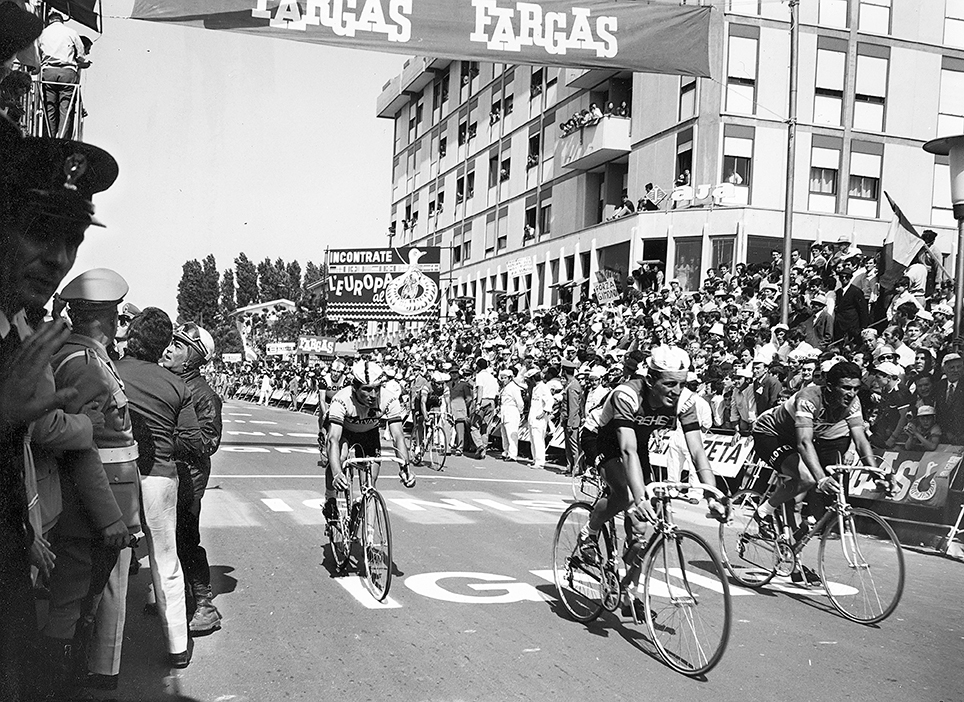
(953, 146)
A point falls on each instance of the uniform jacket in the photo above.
(573, 399)
(89, 501)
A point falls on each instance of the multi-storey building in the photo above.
(482, 167)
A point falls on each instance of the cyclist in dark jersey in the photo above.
(653, 398)
(808, 431)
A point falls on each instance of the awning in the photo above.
(86, 12)
(651, 37)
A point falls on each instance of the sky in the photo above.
(230, 143)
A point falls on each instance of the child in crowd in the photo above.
(923, 432)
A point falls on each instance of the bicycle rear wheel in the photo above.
(751, 559)
(376, 538)
(687, 603)
(435, 445)
(339, 536)
(587, 485)
(581, 585)
(862, 566)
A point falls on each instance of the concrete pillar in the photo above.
(670, 253)
(593, 265)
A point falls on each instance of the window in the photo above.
(473, 128)
(874, 16)
(535, 84)
(443, 144)
(415, 118)
(687, 98)
(741, 72)
(535, 143)
(829, 88)
(493, 170)
(495, 114)
(942, 213)
(743, 7)
(505, 170)
(509, 104)
(529, 229)
(824, 174)
(457, 253)
(545, 219)
(723, 251)
(950, 113)
(440, 94)
(684, 154)
(470, 69)
(954, 23)
(459, 190)
(871, 92)
(863, 189)
(502, 240)
(440, 201)
(738, 161)
(470, 185)
(466, 250)
(490, 233)
(833, 13)
(463, 131)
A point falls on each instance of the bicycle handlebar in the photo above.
(371, 459)
(653, 488)
(840, 468)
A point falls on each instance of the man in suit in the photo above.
(571, 414)
(950, 400)
(851, 313)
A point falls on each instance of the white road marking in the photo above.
(432, 477)
(261, 421)
(275, 433)
(659, 589)
(245, 433)
(354, 586)
(497, 506)
(302, 435)
(276, 505)
(238, 414)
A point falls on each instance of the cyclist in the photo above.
(418, 396)
(354, 416)
(801, 435)
(654, 397)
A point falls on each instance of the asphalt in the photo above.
(472, 615)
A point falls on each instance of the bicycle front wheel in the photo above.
(687, 603)
(376, 537)
(581, 582)
(862, 566)
(435, 445)
(339, 536)
(751, 559)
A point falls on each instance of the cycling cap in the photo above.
(667, 358)
(368, 373)
(197, 339)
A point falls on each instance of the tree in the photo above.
(210, 291)
(228, 304)
(190, 291)
(312, 274)
(293, 275)
(271, 280)
(247, 281)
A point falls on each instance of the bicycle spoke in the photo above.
(687, 603)
(582, 585)
(751, 559)
(376, 537)
(862, 566)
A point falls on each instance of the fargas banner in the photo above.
(651, 37)
(395, 284)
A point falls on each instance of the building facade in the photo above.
(524, 208)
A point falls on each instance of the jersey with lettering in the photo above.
(357, 419)
(628, 406)
(809, 408)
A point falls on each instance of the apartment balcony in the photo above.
(586, 79)
(591, 146)
(391, 99)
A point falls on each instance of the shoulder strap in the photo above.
(70, 357)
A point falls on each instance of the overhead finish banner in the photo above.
(398, 284)
(650, 37)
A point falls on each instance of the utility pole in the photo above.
(791, 161)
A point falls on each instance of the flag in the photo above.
(901, 246)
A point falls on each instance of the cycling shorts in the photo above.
(775, 450)
(369, 442)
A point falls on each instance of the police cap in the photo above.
(55, 178)
(98, 288)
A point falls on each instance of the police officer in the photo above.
(191, 348)
(84, 363)
(45, 190)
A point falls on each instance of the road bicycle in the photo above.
(685, 593)
(435, 449)
(860, 561)
(361, 531)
